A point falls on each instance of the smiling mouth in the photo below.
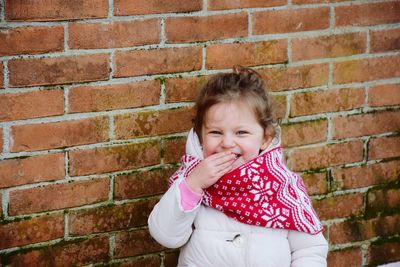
(237, 155)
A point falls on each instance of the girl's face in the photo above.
(233, 127)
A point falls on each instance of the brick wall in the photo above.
(96, 97)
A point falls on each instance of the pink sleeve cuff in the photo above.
(189, 199)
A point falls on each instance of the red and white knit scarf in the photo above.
(262, 192)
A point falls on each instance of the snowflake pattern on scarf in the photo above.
(261, 192)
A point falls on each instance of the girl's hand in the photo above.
(210, 170)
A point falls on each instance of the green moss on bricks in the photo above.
(161, 79)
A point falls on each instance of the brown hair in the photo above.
(244, 85)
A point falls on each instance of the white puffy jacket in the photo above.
(210, 238)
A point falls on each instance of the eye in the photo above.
(242, 132)
(214, 132)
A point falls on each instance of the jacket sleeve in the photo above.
(169, 224)
(308, 250)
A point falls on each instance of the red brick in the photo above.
(1, 206)
(291, 20)
(135, 243)
(228, 4)
(316, 183)
(59, 134)
(381, 253)
(108, 159)
(304, 133)
(299, 2)
(327, 101)
(220, 56)
(367, 14)
(287, 78)
(369, 69)
(365, 124)
(32, 40)
(115, 96)
(111, 218)
(204, 28)
(141, 7)
(148, 261)
(279, 104)
(171, 259)
(353, 231)
(329, 46)
(384, 95)
(174, 149)
(326, 155)
(150, 123)
(384, 147)
(350, 257)
(156, 61)
(32, 10)
(1, 75)
(338, 206)
(32, 169)
(362, 176)
(183, 89)
(73, 253)
(114, 34)
(33, 230)
(385, 40)
(58, 70)
(31, 105)
(141, 184)
(58, 196)
(379, 200)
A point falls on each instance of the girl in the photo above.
(233, 202)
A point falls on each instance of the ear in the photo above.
(267, 140)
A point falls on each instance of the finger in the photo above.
(222, 159)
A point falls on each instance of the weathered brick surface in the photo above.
(362, 176)
(220, 56)
(366, 69)
(304, 133)
(338, 206)
(73, 253)
(346, 257)
(287, 78)
(329, 46)
(141, 184)
(379, 252)
(326, 155)
(292, 20)
(193, 29)
(150, 123)
(385, 147)
(279, 105)
(385, 40)
(352, 231)
(111, 218)
(134, 243)
(1, 75)
(33, 40)
(33, 169)
(327, 101)
(31, 105)
(116, 96)
(148, 261)
(58, 196)
(58, 70)
(183, 89)
(31, 10)
(59, 134)
(316, 183)
(227, 4)
(367, 14)
(171, 258)
(384, 95)
(174, 149)
(157, 61)
(300, 2)
(114, 34)
(33, 230)
(379, 200)
(108, 159)
(139, 7)
(365, 124)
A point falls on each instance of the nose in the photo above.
(227, 141)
